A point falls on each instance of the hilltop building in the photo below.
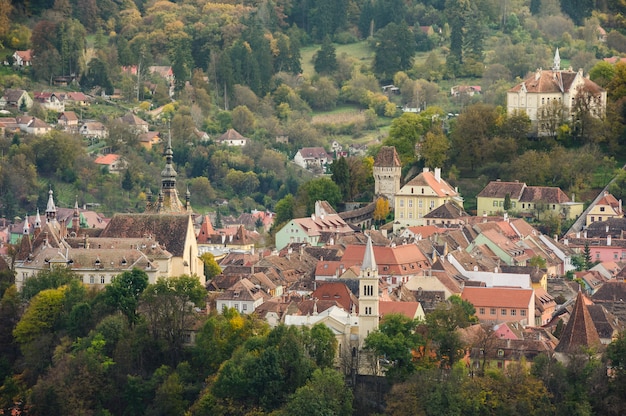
(548, 96)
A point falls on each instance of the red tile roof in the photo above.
(408, 309)
(107, 159)
(428, 179)
(496, 297)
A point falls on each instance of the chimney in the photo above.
(608, 240)
(425, 170)
(577, 234)
(438, 174)
(566, 242)
(585, 234)
(573, 197)
(606, 229)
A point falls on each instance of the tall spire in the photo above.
(76, 217)
(557, 61)
(38, 220)
(369, 261)
(26, 229)
(168, 201)
(168, 174)
(51, 209)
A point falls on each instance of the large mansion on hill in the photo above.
(549, 96)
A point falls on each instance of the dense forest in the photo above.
(311, 72)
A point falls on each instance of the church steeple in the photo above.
(51, 209)
(168, 201)
(26, 230)
(368, 292)
(38, 220)
(557, 61)
(76, 217)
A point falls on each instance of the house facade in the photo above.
(50, 101)
(312, 157)
(22, 59)
(16, 98)
(607, 207)
(420, 196)
(114, 163)
(93, 130)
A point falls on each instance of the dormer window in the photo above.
(236, 294)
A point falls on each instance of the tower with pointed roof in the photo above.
(168, 201)
(580, 333)
(387, 173)
(51, 209)
(557, 61)
(368, 293)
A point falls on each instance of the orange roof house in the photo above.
(113, 162)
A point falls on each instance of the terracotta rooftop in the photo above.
(107, 159)
(498, 189)
(498, 296)
(428, 179)
(408, 309)
(548, 81)
(547, 194)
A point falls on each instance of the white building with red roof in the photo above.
(114, 163)
(323, 225)
(546, 90)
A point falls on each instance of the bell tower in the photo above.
(368, 293)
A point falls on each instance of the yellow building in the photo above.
(607, 207)
(420, 196)
(533, 200)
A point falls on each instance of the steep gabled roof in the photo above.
(580, 331)
(169, 230)
(547, 194)
(408, 309)
(498, 189)
(387, 157)
(450, 210)
(231, 134)
(428, 179)
(549, 81)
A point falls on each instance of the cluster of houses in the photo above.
(326, 269)
(333, 268)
